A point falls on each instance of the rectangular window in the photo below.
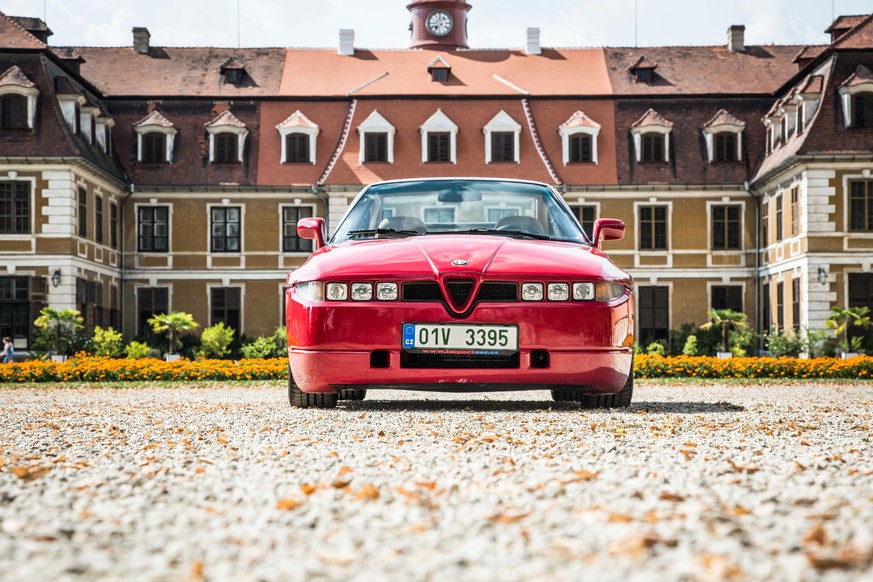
(83, 213)
(14, 208)
(502, 146)
(765, 224)
(114, 312)
(766, 317)
(98, 220)
(439, 147)
(439, 215)
(439, 74)
(653, 147)
(375, 147)
(297, 148)
(226, 307)
(154, 147)
(780, 306)
(727, 297)
(653, 228)
(225, 148)
(150, 301)
(113, 225)
(861, 206)
(795, 303)
(654, 313)
(226, 229)
(795, 211)
(861, 295)
(726, 227)
(153, 229)
(586, 215)
(726, 147)
(779, 218)
(863, 110)
(13, 112)
(15, 312)
(291, 243)
(580, 148)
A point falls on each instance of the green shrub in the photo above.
(785, 344)
(263, 347)
(690, 348)
(655, 348)
(107, 342)
(136, 350)
(215, 341)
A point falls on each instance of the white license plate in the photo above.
(460, 339)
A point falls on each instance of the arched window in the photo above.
(154, 147)
(299, 136)
(651, 135)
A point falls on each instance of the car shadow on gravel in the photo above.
(685, 407)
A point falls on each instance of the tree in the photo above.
(726, 320)
(842, 318)
(62, 323)
(173, 324)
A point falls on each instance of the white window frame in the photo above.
(846, 94)
(453, 209)
(297, 123)
(638, 234)
(104, 127)
(242, 230)
(86, 114)
(638, 133)
(709, 135)
(151, 125)
(502, 122)
(30, 93)
(725, 202)
(297, 204)
(439, 122)
(568, 129)
(68, 103)
(152, 204)
(376, 123)
(241, 134)
(13, 177)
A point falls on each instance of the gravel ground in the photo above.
(705, 483)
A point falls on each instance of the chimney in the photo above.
(141, 38)
(533, 42)
(347, 42)
(736, 42)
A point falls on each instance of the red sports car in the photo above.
(460, 285)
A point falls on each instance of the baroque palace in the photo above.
(141, 179)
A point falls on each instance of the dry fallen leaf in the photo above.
(667, 496)
(30, 473)
(580, 476)
(308, 489)
(506, 518)
(368, 493)
(817, 535)
(197, 570)
(287, 504)
(741, 469)
(620, 518)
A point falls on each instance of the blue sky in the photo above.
(384, 23)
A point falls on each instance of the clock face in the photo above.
(439, 23)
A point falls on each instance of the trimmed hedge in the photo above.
(97, 369)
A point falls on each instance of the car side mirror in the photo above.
(607, 229)
(313, 229)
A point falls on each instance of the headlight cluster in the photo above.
(319, 291)
(577, 291)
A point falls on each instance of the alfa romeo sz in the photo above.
(460, 285)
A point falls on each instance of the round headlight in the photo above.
(583, 291)
(532, 291)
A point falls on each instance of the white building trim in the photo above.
(439, 122)
(579, 123)
(375, 123)
(502, 122)
(297, 123)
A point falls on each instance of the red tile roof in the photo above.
(13, 36)
(814, 84)
(861, 76)
(652, 118)
(181, 72)
(860, 37)
(324, 73)
(152, 119)
(707, 69)
(724, 118)
(844, 22)
(15, 76)
(226, 119)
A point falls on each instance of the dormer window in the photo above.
(233, 71)
(377, 139)
(643, 70)
(17, 100)
(651, 135)
(298, 139)
(579, 139)
(502, 139)
(857, 96)
(227, 138)
(439, 139)
(155, 137)
(723, 135)
(439, 70)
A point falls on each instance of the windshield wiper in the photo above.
(389, 231)
(521, 233)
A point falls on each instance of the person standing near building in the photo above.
(8, 352)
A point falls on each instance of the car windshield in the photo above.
(480, 207)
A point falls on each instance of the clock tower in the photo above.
(439, 24)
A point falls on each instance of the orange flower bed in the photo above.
(84, 368)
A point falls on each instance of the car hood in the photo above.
(440, 256)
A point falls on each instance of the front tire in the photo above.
(352, 394)
(300, 399)
(591, 401)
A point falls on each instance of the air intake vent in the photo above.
(460, 290)
(489, 291)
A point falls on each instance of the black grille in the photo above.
(489, 291)
(460, 290)
(420, 360)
